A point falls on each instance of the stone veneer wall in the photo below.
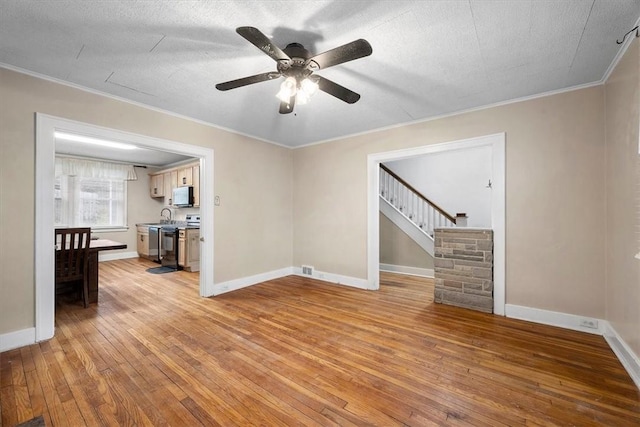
(464, 268)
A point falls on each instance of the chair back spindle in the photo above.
(72, 257)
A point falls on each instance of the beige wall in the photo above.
(396, 248)
(253, 224)
(554, 197)
(309, 206)
(622, 92)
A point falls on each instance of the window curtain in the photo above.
(66, 166)
(90, 193)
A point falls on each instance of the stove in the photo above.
(169, 237)
(193, 221)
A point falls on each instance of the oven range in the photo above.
(163, 240)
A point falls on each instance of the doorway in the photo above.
(44, 239)
(498, 205)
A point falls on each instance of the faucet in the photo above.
(168, 210)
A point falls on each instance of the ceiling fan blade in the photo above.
(262, 42)
(334, 89)
(247, 81)
(345, 53)
(287, 107)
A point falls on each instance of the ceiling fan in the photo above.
(297, 66)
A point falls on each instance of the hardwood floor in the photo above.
(295, 351)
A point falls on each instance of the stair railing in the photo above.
(411, 203)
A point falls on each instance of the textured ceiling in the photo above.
(429, 57)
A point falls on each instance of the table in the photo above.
(95, 247)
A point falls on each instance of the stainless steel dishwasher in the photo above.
(169, 246)
(154, 243)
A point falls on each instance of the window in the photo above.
(90, 194)
(90, 202)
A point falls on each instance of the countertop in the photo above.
(180, 225)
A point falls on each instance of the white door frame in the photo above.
(44, 213)
(498, 206)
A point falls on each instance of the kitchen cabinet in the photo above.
(156, 185)
(189, 249)
(182, 247)
(162, 183)
(196, 186)
(143, 241)
(185, 176)
(170, 182)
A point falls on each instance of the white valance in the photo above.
(94, 169)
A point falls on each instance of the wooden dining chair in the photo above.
(72, 258)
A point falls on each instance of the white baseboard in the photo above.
(623, 352)
(16, 339)
(403, 269)
(337, 279)
(627, 357)
(235, 284)
(112, 256)
(554, 318)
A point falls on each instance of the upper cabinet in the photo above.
(185, 176)
(196, 185)
(156, 185)
(162, 183)
(170, 182)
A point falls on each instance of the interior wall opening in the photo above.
(418, 194)
(496, 143)
(46, 126)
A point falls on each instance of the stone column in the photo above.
(464, 268)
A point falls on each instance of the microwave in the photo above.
(183, 196)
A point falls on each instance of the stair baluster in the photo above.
(425, 214)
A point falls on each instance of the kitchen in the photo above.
(150, 204)
(174, 241)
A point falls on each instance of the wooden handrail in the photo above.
(410, 187)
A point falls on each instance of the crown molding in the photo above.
(136, 103)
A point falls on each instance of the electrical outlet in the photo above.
(307, 269)
(216, 200)
(588, 323)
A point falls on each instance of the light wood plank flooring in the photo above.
(295, 351)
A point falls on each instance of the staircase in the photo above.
(412, 212)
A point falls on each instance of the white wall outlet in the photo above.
(307, 269)
(589, 323)
(216, 200)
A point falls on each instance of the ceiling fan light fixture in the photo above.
(288, 88)
(296, 64)
(309, 87)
